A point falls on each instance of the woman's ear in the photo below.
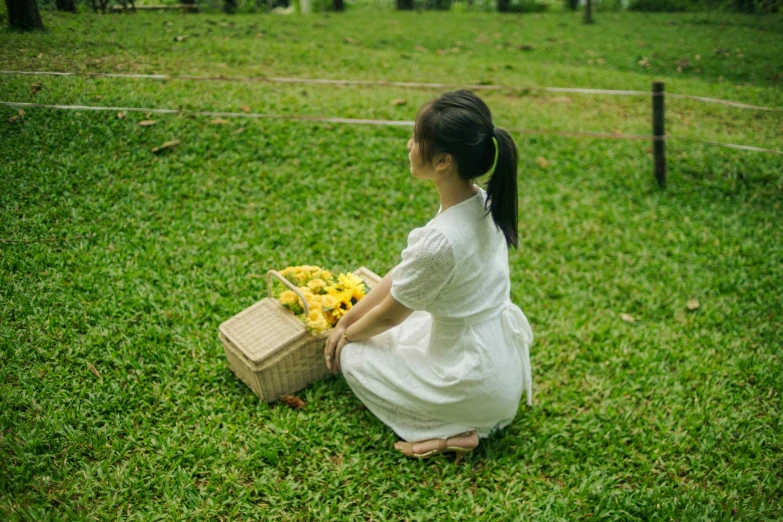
(444, 162)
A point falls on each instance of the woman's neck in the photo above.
(454, 190)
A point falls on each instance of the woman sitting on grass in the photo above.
(437, 351)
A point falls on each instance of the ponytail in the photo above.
(502, 188)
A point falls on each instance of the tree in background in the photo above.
(588, 11)
(23, 15)
(405, 5)
(504, 6)
(572, 4)
(66, 5)
(229, 6)
(338, 5)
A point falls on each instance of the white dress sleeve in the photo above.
(427, 266)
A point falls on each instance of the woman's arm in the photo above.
(373, 315)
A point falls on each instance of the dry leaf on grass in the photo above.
(240, 130)
(350, 40)
(147, 123)
(245, 108)
(95, 372)
(693, 304)
(40, 55)
(542, 162)
(627, 318)
(166, 146)
(121, 115)
(399, 101)
(218, 121)
(180, 38)
(292, 401)
(14, 119)
(35, 88)
(337, 460)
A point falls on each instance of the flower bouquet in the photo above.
(327, 298)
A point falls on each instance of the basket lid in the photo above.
(262, 330)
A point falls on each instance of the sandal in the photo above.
(461, 445)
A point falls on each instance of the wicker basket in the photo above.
(269, 348)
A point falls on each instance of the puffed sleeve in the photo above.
(427, 266)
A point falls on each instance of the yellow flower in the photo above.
(353, 285)
(290, 300)
(328, 302)
(317, 285)
(316, 322)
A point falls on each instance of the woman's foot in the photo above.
(460, 444)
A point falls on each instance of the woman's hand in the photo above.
(333, 348)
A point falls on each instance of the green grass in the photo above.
(674, 416)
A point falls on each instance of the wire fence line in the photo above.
(381, 122)
(419, 85)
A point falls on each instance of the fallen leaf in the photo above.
(40, 55)
(245, 108)
(337, 460)
(440, 52)
(698, 57)
(166, 146)
(542, 162)
(121, 115)
(644, 62)
(292, 401)
(218, 121)
(14, 119)
(296, 162)
(147, 123)
(20, 112)
(350, 40)
(35, 88)
(693, 304)
(180, 38)
(399, 101)
(627, 318)
(240, 130)
(94, 371)
(98, 97)
(421, 49)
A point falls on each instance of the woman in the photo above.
(437, 351)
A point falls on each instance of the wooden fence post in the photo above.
(659, 134)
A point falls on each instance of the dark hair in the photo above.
(460, 124)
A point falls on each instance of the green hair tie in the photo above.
(495, 162)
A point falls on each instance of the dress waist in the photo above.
(474, 319)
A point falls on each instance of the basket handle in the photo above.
(286, 282)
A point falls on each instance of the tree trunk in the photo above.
(588, 11)
(66, 5)
(573, 4)
(229, 6)
(504, 5)
(23, 15)
(405, 5)
(338, 5)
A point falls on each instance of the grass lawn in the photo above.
(124, 262)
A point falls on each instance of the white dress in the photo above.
(460, 361)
